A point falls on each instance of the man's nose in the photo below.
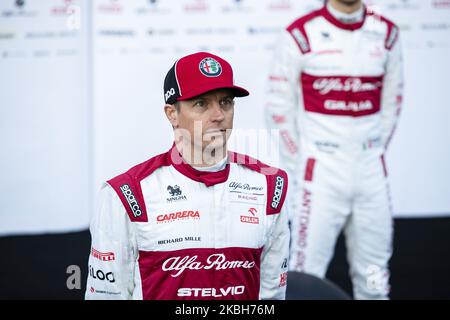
(217, 112)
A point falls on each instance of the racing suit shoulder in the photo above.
(301, 21)
(277, 180)
(128, 188)
(392, 30)
(275, 253)
(113, 250)
(297, 30)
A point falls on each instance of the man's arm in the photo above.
(283, 96)
(113, 253)
(391, 99)
(275, 259)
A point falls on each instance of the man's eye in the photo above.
(200, 103)
(227, 102)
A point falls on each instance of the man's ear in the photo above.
(172, 114)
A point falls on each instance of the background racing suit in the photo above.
(335, 95)
(164, 230)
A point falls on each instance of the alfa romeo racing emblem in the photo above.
(210, 67)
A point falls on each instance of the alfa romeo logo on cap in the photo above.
(210, 67)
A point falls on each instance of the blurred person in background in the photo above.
(335, 91)
(199, 221)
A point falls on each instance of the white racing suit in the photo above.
(164, 230)
(335, 95)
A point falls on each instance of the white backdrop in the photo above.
(81, 95)
(45, 164)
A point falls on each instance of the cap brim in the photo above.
(238, 91)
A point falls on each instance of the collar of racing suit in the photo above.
(214, 168)
(352, 21)
(209, 178)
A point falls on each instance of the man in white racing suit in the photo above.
(335, 94)
(199, 221)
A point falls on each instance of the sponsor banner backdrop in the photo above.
(82, 97)
(45, 117)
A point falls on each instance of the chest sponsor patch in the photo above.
(244, 187)
(251, 217)
(244, 198)
(103, 256)
(179, 215)
(201, 273)
(342, 95)
(178, 240)
(175, 194)
(218, 261)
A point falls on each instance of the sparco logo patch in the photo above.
(132, 202)
(392, 37)
(278, 192)
(301, 40)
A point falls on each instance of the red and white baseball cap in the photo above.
(196, 74)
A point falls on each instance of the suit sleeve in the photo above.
(112, 259)
(274, 259)
(391, 98)
(282, 99)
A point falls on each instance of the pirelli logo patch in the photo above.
(278, 192)
(131, 199)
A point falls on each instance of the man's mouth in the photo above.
(216, 131)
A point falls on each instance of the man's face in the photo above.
(207, 119)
